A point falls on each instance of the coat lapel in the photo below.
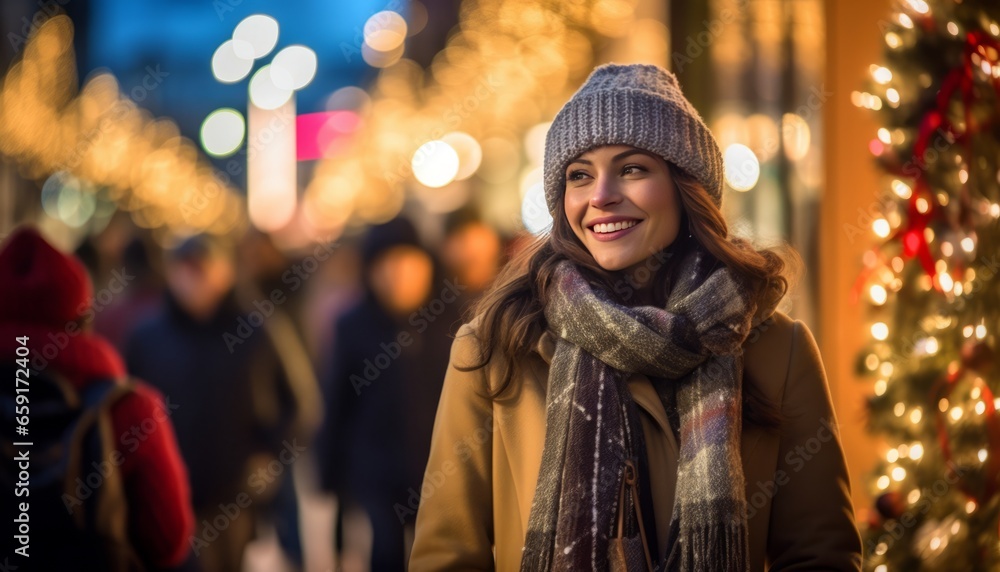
(645, 397)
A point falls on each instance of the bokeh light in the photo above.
(227, 66)
(349, 97)
(64, 198)
(742, 168)
(272, 179)
(435, 163)
(222, 132)
(138, 162)
(385, 31)
(534, 143)
(500, 160)
(470, 154)
(378, 59)
(258, 33)
(795, 136)
(764, 136)
(534, 211)
(416, 16)
(264, 93)
(293, 67)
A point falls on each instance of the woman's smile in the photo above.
(606, 229)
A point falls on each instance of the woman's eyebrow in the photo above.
(617, 157)
(631, 152)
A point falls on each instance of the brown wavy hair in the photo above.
(512, 309)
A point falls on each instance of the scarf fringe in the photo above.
(722, 547)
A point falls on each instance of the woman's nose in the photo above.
(606, 192)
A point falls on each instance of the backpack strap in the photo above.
(90, 399)
(111, 511)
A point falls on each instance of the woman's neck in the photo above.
(638, 284)
(644, 295)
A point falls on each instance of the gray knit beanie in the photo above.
(639, 105)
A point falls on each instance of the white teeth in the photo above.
(614, 226)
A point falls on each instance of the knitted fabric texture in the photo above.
(694, 346)
(639, 105)
(40, 284)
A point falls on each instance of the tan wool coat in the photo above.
(485, 457)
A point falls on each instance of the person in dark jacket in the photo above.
(383, 385)
(45, 301)
(235, 402)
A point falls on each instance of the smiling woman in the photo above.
(641, 383)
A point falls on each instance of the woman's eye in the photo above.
(575, 175)
(630, 169)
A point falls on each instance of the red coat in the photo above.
(155, 478)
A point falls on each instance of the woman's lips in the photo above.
(615, 235)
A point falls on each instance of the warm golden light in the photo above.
(435, 163)
(881, 74)
(470, 153)
(881, 227)
(878, 294)
(507, 67)
(880, 331)
(795, 136)
(919, 6)
(50, 126)
(901, 189)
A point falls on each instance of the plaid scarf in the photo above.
(694, 344)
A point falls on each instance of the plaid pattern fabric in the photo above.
(593, 427)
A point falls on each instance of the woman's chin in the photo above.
(615, 263)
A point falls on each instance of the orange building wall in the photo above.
(854, 42)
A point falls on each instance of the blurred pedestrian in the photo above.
(139, 297)
(219, 361)
(472, 252)
(383, 385)
(108, 489)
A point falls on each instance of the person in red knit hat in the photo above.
(44, 300)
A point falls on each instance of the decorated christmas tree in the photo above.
(932, 289)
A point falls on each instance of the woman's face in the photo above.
(622, 204)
